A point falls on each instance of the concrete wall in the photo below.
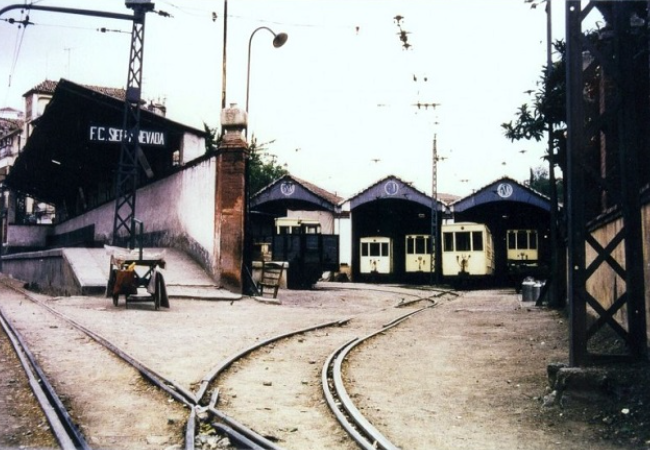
(176, 212)
(29, 236)
(48, 270)
(605, 285)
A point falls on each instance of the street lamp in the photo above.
(249, 287)
(279, 40)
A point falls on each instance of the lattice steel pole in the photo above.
(130, 152)
(435, 276)
(608, 72)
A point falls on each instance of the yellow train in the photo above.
(467, 251)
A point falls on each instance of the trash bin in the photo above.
(527, 291)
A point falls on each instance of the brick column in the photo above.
(230, 204)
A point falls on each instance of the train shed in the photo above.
(391, 226)
(294, 221)
(290, 196)
(512, 211)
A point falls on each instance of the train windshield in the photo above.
(465, 241)
(374, 249)
(417, 245)
(522, 239)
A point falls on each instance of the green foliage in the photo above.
(262, 166)
(540, 181)
(548, 108)
(212, 139)
(548, 104)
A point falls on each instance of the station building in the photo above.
(71, 153)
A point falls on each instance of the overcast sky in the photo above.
(338, 99)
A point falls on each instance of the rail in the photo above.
(340, 403)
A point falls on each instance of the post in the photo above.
(230, 202)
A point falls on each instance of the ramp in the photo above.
(184, 277)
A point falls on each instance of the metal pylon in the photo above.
(130, 153)
(607, 117)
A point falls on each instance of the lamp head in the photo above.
(280, 39)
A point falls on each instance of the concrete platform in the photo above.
(86, 270)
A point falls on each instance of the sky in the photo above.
(337, 104)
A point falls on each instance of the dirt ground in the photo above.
(470, 373)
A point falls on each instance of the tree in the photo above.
(213, 138)
(262, 166)
(539, 181)
(548, 109)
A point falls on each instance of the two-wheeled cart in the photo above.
(139, 280)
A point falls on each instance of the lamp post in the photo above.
(279, 40)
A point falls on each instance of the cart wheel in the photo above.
(112, 276)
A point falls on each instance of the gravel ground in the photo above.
(467, 374)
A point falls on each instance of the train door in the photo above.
(418, 256)
(376, 255)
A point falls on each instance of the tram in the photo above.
(523, 255)
(523, 248)
(376, 255)
(418, 254)
(467, 251)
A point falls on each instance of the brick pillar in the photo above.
(230, 204)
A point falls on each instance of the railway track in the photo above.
(64, 429)
(364, 433)
(196, 402)
(67, 433)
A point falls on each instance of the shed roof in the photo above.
(503, 190)
(392, 188)
(290, 187)
(59, 159)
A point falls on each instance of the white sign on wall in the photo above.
(111, 134)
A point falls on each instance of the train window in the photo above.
(364, 249)
(421, 245)
(375, 249)
(463, 243)
(384, 248)
(448, 241)
(522, 240)
(416, 245)
(477, 241)
(512, 243)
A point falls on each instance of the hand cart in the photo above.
(124, 279)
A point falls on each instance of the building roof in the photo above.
(61, 160)
(392, 188)
(290, 187)
(10, 113)
(503, 189)
(49, 86)
(10, 126)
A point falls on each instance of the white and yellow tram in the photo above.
(376, 255)
(467, 250)
(523, 247)
(418, 254)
